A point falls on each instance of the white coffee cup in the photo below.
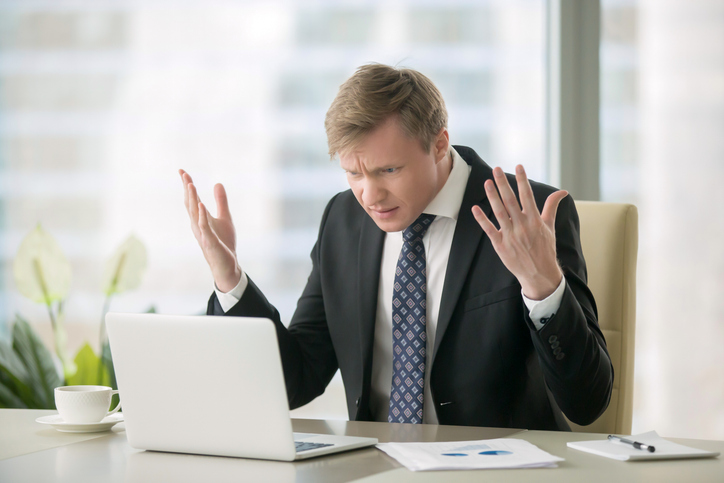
(84, 404)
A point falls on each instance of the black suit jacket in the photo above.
(490, 366)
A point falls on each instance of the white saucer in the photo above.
(104, 425)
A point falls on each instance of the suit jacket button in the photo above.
(560, 356)
(557, 350)
(552, 339)
(555, 344)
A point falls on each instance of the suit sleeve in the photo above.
(570, 346)
(307, 354)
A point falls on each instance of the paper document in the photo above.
(623, 452)
(469, 455)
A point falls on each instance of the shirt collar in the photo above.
(448, 201)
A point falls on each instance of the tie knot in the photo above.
(416, 231)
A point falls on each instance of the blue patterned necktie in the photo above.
(409, 304)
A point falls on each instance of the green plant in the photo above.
(42, 273)
(27, 373)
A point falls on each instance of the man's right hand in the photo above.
(216, 236)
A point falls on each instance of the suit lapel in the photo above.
(465, 242)
(369, 261)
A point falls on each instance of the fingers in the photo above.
(527, 200)
(486, 225)
(188, 182)
(185, 180)
(501, 214)
(506, 193)
(505, 205)
(220, 258)
(193, 207)
(550, 208)
(207, 233)
(222, 203)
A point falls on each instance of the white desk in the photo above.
(30, 452)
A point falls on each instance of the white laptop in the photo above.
(209, 385)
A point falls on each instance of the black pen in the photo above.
(635, 444)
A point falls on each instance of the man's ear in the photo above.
(441, 146)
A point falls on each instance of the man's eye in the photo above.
(390, 170)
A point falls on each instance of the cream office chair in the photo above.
(609, 237)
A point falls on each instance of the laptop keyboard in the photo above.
(305, 446)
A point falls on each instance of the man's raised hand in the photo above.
(216, 235)
(526, 240)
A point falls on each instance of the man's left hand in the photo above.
(526, 240)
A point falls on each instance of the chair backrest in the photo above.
(609, 237)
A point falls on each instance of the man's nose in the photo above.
(372, 193)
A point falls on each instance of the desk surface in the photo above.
(32, 452)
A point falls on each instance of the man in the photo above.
(440, 298)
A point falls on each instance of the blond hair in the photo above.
(373, 94)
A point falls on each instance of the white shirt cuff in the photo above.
(229, 299)
(546, 308)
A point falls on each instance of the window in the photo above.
(662, 119)
(100, 105)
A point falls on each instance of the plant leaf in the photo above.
(107, 360)
(124, 270)
(61, 338)
(90, 369)
(42, 376)
(13, 377)
(42, 271)
(8, 397)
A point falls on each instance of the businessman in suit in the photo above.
(445, 291)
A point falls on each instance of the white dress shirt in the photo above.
(437, 242)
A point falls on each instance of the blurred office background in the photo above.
(102, 101)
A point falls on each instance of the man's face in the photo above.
(392, 177)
